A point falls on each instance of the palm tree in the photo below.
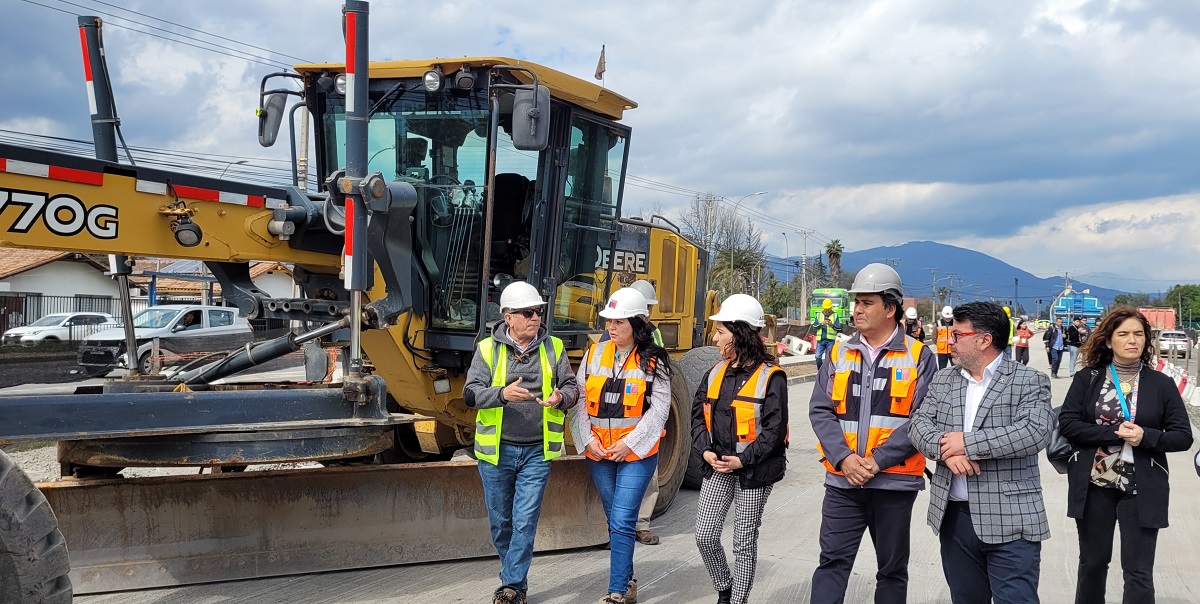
(833, 251)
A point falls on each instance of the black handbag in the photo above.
(1059, 450)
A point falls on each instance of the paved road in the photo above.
(673, 573)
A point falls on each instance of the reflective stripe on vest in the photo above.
(657, 336)
(488, 421)
(747, 403)
(609, 423)
(890, 399)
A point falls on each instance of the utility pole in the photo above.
(804, 274)
(787, 262)
(302, 159)
(960, 290)
(1016, 298)
(933, 298)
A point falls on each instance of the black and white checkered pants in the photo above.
(718, 492)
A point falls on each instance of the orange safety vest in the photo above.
(616, 403)
(747, 403)
(943, 338)
(890, 405)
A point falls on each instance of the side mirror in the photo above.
(178, 327)
(531, 119)
(270, 116)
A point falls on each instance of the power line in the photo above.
(212, 46)
(180, 25)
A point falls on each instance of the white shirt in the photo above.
(971, 402)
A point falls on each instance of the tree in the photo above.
(734, 245)
(699, 221)
(1139, 299)
(833, 251)
(776, 297)
(1184, 298)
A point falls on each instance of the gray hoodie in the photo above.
(522, 419)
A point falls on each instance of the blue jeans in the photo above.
(621, 486)
(513, 490)
(1055, 360)
(1073, 351)
(823, 347)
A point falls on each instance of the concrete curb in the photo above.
(801, 379)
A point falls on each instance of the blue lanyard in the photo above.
(1121, 395)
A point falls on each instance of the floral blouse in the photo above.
(1107, 468)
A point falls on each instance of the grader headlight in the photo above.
(434, 79)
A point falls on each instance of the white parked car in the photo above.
(59, 326)
(106, 349)
(1169, 340)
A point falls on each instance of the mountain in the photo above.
(982, 275)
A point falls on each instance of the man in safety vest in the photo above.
(520, 382)
(944, 326)
(826, 330)
(860, 409)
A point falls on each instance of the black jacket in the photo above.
(1072, 337)
(765, 460)
(1160, 413)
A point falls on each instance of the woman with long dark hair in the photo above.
(739, 425)
(1122, 417)
(624, 402)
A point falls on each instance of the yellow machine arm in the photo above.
(57, 201)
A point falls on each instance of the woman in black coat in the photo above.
(1122, 417)
(739, 426)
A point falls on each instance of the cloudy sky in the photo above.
(1057, 135)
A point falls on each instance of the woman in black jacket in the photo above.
(1122, 417)
(739, 425)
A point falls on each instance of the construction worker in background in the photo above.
(826, 330)
(912, 325)
(642, 529)
(860, 411)
(1012, 330)
(944, 326)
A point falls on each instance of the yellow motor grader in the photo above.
(441, 181)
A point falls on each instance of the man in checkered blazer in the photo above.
(984, 422)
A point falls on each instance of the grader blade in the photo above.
(155, 532)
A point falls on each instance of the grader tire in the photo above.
(33, 553)
(675, 448)
(696, 364)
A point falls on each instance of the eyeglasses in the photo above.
(529, 312)
(955, 335)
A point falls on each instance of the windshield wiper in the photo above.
(383, 99)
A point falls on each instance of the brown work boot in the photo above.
(507, 595)
(613, 599)
(631, 592)
(647, 537)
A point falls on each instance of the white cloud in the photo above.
(1146, 238)
(873, 121)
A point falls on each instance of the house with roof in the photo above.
(34, 283)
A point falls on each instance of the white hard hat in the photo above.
(911, 313)
(646, 289)
(740, 307)
(947, 312)
(520, 294)
(877, 278)
(624, 303)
